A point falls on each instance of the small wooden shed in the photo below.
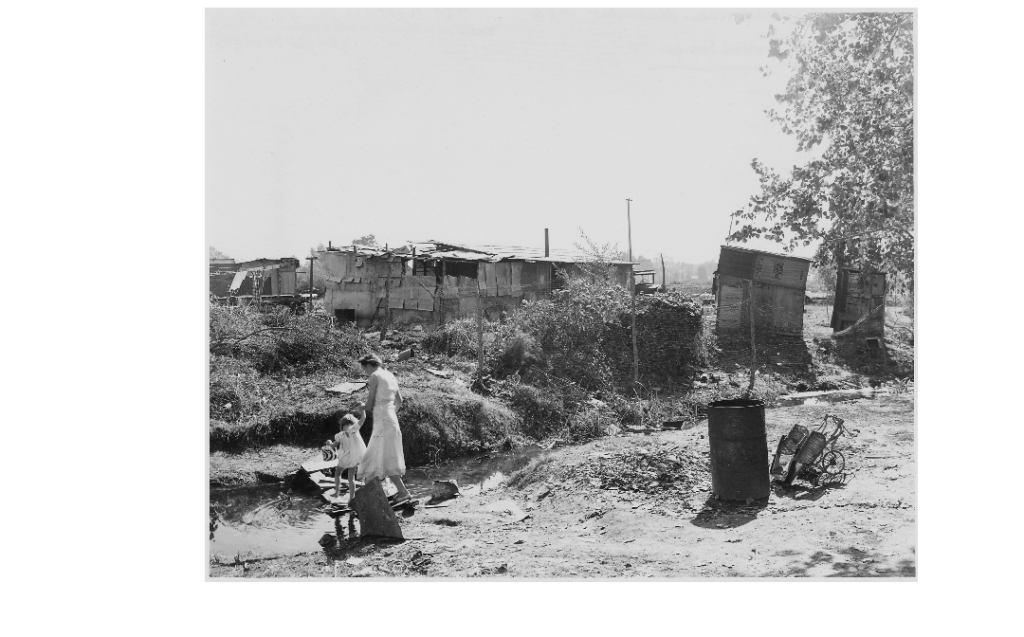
(859, 294)
(777, 284)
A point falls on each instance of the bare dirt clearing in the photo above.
(554, 519)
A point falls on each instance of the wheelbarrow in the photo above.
(814, 456)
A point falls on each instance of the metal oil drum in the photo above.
(739, 450)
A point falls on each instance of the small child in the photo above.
(350, 448)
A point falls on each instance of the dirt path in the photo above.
(559, 525)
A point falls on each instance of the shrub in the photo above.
(542, 412)
(438, 426)
(455, 338)
(277, 340)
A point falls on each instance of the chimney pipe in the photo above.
(547, 245)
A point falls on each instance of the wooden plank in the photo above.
(517, 277)
(781, 271)
(315, 465)
(730, 306)
(347, 387)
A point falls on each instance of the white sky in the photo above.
(485, 126)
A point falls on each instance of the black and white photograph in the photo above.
(561, 294)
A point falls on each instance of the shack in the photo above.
(257, 281)
(434, 281)
(859, 295)
(775, 283)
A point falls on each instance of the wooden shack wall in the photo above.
(776, 283)
(857, 294)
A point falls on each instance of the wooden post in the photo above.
(440, 303)
(376, 518)
(479, 331)
(632, 297)
(311, 260)
(753, 344)
(664, 281)
(387, 302)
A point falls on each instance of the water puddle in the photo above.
(270, 520)
(812, 398)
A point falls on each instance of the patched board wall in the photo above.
(775, 285)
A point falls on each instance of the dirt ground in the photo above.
(551, 522)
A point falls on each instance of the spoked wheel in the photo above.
(832, 462)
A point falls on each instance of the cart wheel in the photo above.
(833, 462)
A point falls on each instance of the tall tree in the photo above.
(369, 241)
(217, 254)
(851, 93)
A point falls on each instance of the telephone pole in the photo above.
(311, 260)
(632, 296)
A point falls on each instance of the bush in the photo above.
(438, 426)
(515, 354)
(542, 412)
(276, 340)
(562, 337)
(456, 338)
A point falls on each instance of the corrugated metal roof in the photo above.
(490, 252)
(482, 253)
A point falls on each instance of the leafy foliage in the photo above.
(569, 329)
(598, 265)
(276, 340)
(368, 240)
(851, 93)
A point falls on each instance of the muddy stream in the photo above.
(273, 520)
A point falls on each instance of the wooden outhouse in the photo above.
(775, 283)
(859, 294)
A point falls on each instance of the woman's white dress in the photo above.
(384, 456)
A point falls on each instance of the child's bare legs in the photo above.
(337, 482)
(351, 483)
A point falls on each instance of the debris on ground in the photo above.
(644, 468)
(444, 490)
(347, 388)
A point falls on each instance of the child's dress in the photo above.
(350, 449)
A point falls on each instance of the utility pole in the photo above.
(753, 344)
(664, 281)
(479, 331)
(311, 260)
(632, 296)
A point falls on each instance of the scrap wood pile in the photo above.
(647, 468)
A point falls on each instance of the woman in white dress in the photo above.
(384, 457)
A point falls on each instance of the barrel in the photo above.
(739, 450)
